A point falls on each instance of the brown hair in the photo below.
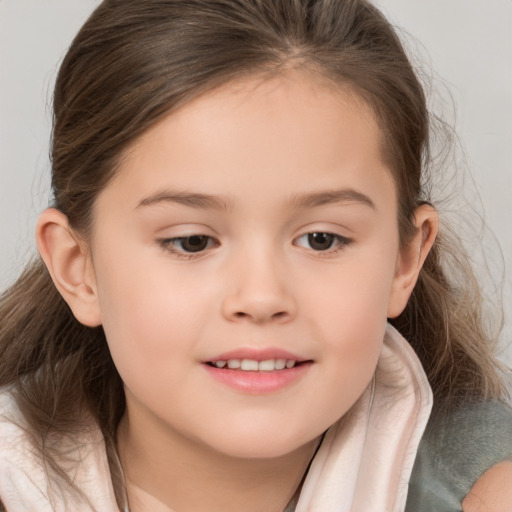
(136, 60)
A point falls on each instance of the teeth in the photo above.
(280, 364)
(249, 364)
(269, 365)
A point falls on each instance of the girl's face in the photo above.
(255, 226)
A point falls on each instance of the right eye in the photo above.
(187, 246)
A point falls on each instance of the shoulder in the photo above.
(458, 448)
(492, 492)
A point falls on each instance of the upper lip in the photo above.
(257, 354)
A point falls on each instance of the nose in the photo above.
(259, 292)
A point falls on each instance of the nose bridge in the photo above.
(259, 290)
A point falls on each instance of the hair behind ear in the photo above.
(443, 322)
(55, 367)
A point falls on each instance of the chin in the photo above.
(267, 444)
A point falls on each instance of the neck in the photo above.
(184, 476)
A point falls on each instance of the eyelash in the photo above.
(338, 243)
(170, 244)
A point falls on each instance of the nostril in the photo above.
(259, 309)
(261, 318)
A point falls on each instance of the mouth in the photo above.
(258, 371)
(254, 365)
(258, 376)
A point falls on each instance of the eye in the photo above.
(322, 241)
(188, 245)
(194, 243)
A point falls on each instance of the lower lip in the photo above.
(253, 382)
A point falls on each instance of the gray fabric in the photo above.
(456, 449)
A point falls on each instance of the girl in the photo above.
(239, 209)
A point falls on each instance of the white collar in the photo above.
(364, 462)
(366, 458)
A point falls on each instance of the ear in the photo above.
(411, 258)
(68, 261)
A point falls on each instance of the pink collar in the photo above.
(364, 462)
(366, 458)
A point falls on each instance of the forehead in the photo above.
(305, 92)
(295, 129)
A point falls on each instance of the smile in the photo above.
(252, 365)
(258, 376)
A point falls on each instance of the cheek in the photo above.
(348, 317)
(150, 316)
(354, 295)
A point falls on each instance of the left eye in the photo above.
(320, 241)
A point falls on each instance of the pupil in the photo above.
(194, 243)
(320, 241)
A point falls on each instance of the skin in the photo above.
(492, 491)
(266, 150)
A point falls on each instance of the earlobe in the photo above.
(68, 261)
(411, 258)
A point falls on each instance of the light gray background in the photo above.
(466, 42)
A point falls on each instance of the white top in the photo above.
(364, 462)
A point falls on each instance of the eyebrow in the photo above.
(211, 202)
(194, 200)
(344, 195)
